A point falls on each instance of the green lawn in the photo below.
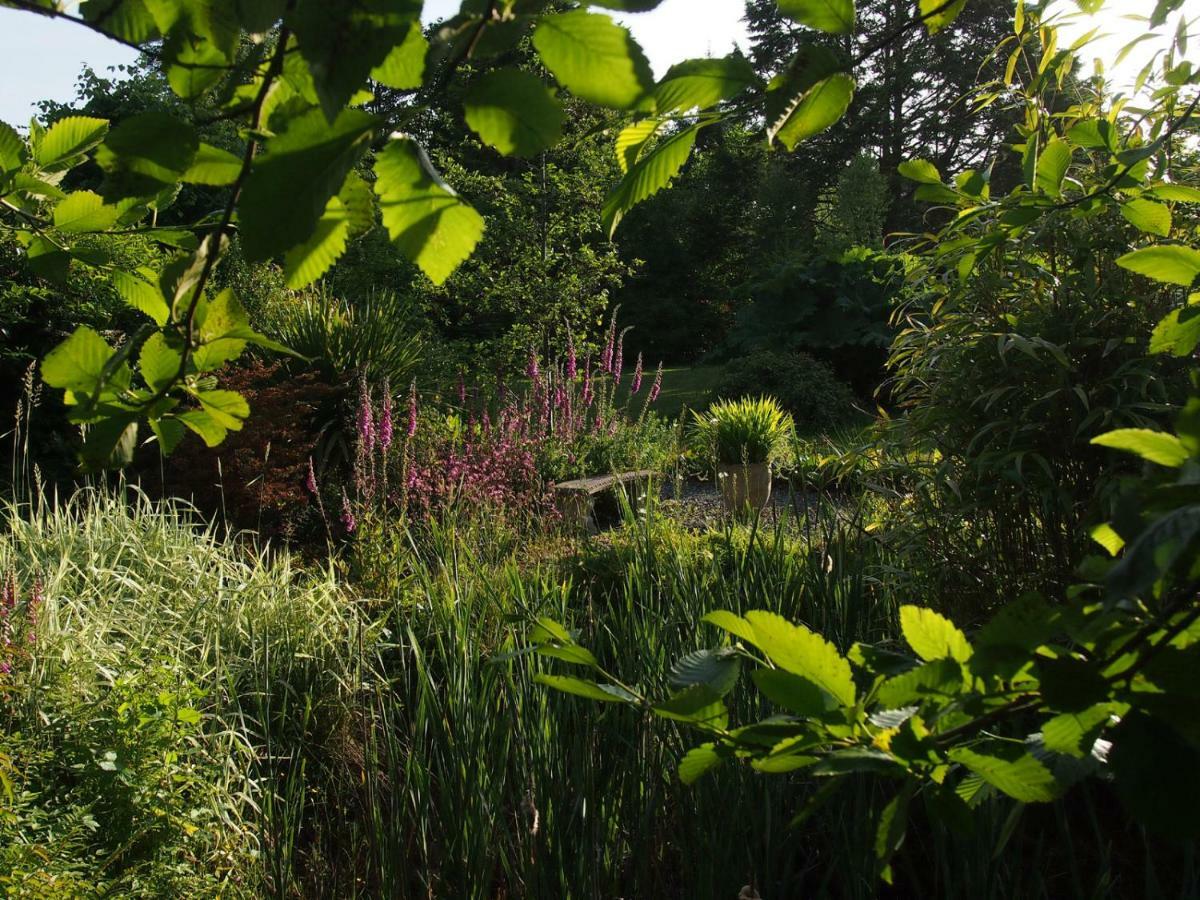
(692, 387)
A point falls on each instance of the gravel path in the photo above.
(698, 505)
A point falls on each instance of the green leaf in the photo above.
(792, 692)
(404, 66)
(937, 14)
(293, 179)
(344, 42)
(1104, 535)
(715, 669)
(1052, 167)
(423, 215)
(698, 704)
(224, 330)
(110, 443)
(1178, 333)
(13, 152)
(84, 211)
(168, 431)
(933, 636)
(126, 20)
(1148, 216)
(144, 154)
(697, 761)
(571, 653)
(67, 139)
(808, 97)
(203, 424)
(652, 173)
(306, 262)
(1075, 733)
(581, 688)
(158, 363)
(921, 171)
(732, 623)
(214, 166)
(701, 83)
(1009, 768)
(1175, 193)
(77, 364)
(1153, 446)
(1173, 264)
(939, 678)
(836, 16)
(514, 112)
(142, 295)
(228, 408)
(594, 58)
(633, 139)
(803, 653)
(1093, 134)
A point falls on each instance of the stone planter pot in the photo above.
(745, 487)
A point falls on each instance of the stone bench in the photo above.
(576, 500)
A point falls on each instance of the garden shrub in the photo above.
(805, 387)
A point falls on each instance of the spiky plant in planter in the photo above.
(745, 436)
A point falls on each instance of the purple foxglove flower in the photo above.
(386, 427)
(618, 362)
(587, 384)
(348, 520)
(310, 479)
(655, 388)
(366, 417)
(532, 370)
(606, 357)
(637, 376)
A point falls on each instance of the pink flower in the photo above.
(655, 388)
(606, 358)
(386, 428)
(348, 520)
(587, 383)
(637, 376)
(412, 409)
(310, 479)
(366, 417)
(618, 362)
(532, 370)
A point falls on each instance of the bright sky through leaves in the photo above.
(40, 59)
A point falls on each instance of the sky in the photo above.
(41, 58)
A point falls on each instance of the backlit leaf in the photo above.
(423, 215)
(144, 154)
(1052, 167)
(652, 173)
(937, 14)
(836, 16)
(404, 66)
(1153, 446)
(513, 112)
(1173, 264)
(78, 362)
(67, 138)
(802, 652)
(212, 165)
(594, 58)
(1011, 769)
(1147, 216)
(84, 211)
(582, 688)
(933, 636)
(701, 83)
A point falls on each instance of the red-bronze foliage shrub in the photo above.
(256, 478)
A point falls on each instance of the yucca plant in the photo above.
(746, 431)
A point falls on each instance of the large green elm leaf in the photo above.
(933, 636)
(1173, 264)
(652, 173)
(1148, 216)
(343, 42)
(808, 97)
(1178, 333)
(228, 408)
(836, 16)
(158, 363)
(404, 67)
(213, 166)
(142, 295)
(145, 154)
(922, 171)
(514, 112)
(84, 211)
(699, 760)
(126, 20)
(594, 58)
(77, 364)
(12, 151)
(292, 180)
(224, 330)
(701, 83)
(802, 652)
(423, 215)
(633, 139)
(68, 138)
(1157, 447)
(937, 14)
(1009, 768)
(1052, 167)
(306, 262)
(715, 669)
